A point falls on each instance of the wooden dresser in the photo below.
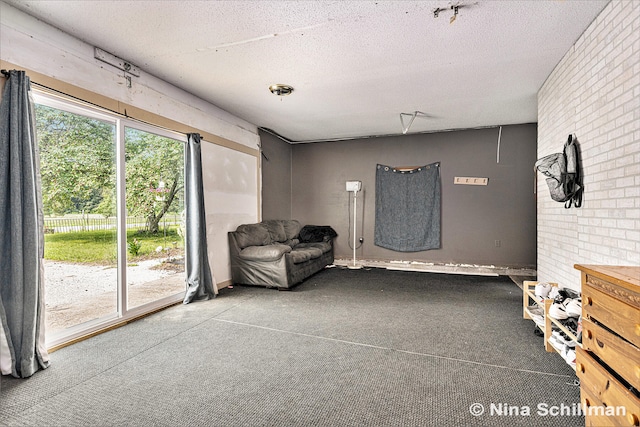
(608, 364)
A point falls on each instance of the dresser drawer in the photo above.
(600, 388)
(618, 354)
(618, 316)
(596, 415)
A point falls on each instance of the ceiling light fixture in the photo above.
(281, 90)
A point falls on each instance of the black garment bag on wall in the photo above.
(563, 174)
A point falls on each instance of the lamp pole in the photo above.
(355, 205)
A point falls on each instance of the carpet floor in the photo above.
(369, 347)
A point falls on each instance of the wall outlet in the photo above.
(354, 185)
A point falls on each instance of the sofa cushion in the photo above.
(252, 235)
(275, 229)
(291, 242)
(264, 253)
(292, 228)
(315, 252)
(323, 246)
(299, 255)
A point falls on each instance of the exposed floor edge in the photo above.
(519, 280)
(472, 269)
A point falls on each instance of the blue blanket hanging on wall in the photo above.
(408, 208)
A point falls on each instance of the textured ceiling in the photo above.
(354, 65)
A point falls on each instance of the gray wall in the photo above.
(276, 177)
(473, 217)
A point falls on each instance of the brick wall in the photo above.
(594, 92)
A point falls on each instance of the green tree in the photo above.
(77, 160)
(107, 205)
(78, 165)
(154, 173)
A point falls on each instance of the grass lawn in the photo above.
(99, 246)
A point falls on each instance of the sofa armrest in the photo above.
(234, 248)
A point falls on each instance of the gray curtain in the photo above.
(22, 348)
(200, 283)
(408, 208)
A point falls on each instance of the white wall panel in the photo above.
(593, 92)
(230, 180)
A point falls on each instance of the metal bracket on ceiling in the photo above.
(455, 14)
(407, 126)
(455, 7)
(119, 63)
(128, 68)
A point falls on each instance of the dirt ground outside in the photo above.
(77, 293)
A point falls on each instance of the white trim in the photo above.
(156, 130)
(121, 215)
(96, 325)
(72, 106)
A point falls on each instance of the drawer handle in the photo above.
(589, 334)
(580, 368)
(600, 343)
(633, 419)
(638, 329)
(589, 301)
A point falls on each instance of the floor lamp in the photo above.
(354, 186)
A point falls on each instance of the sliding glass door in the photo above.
(113, 201)
(78, 170)
(155, 203)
